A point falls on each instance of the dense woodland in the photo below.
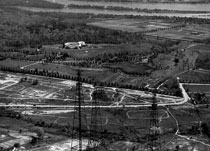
(28, 29)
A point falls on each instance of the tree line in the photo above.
(119, 8)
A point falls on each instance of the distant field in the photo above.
(157, 28)
(93, 50)
(133, 25)
(132, 68)
(189, 33)
(194, 76)
(201, 48)
(198, 88)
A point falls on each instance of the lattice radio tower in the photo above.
(153, 138)
(96, 128)
(79, 120)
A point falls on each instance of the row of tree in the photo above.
(194, 81)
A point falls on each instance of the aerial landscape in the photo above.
(104, 75)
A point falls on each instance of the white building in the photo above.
(74, 45)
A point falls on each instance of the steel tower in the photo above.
(79, 120)
(153, 138)
(96, 128)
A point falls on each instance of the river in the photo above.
(94, 11)
(162, 6)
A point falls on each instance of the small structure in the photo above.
(82, 43)
(145, 60)
(74, 45)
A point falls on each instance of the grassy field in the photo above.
(200, 48)
(131, 68)
(131, 123)
(135, 123)
(14, 63)
(113, 121)
(198, 89)
(203, 60)
(194, 76)
(92, 50)
(189, 33)
(133, 25)
(101, 76)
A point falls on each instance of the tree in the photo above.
(17, 145)
(39, 132)
(205, 129)
(35, 82)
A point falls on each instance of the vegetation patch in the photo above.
(129, 68)
(203, 61)
(195, 77)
